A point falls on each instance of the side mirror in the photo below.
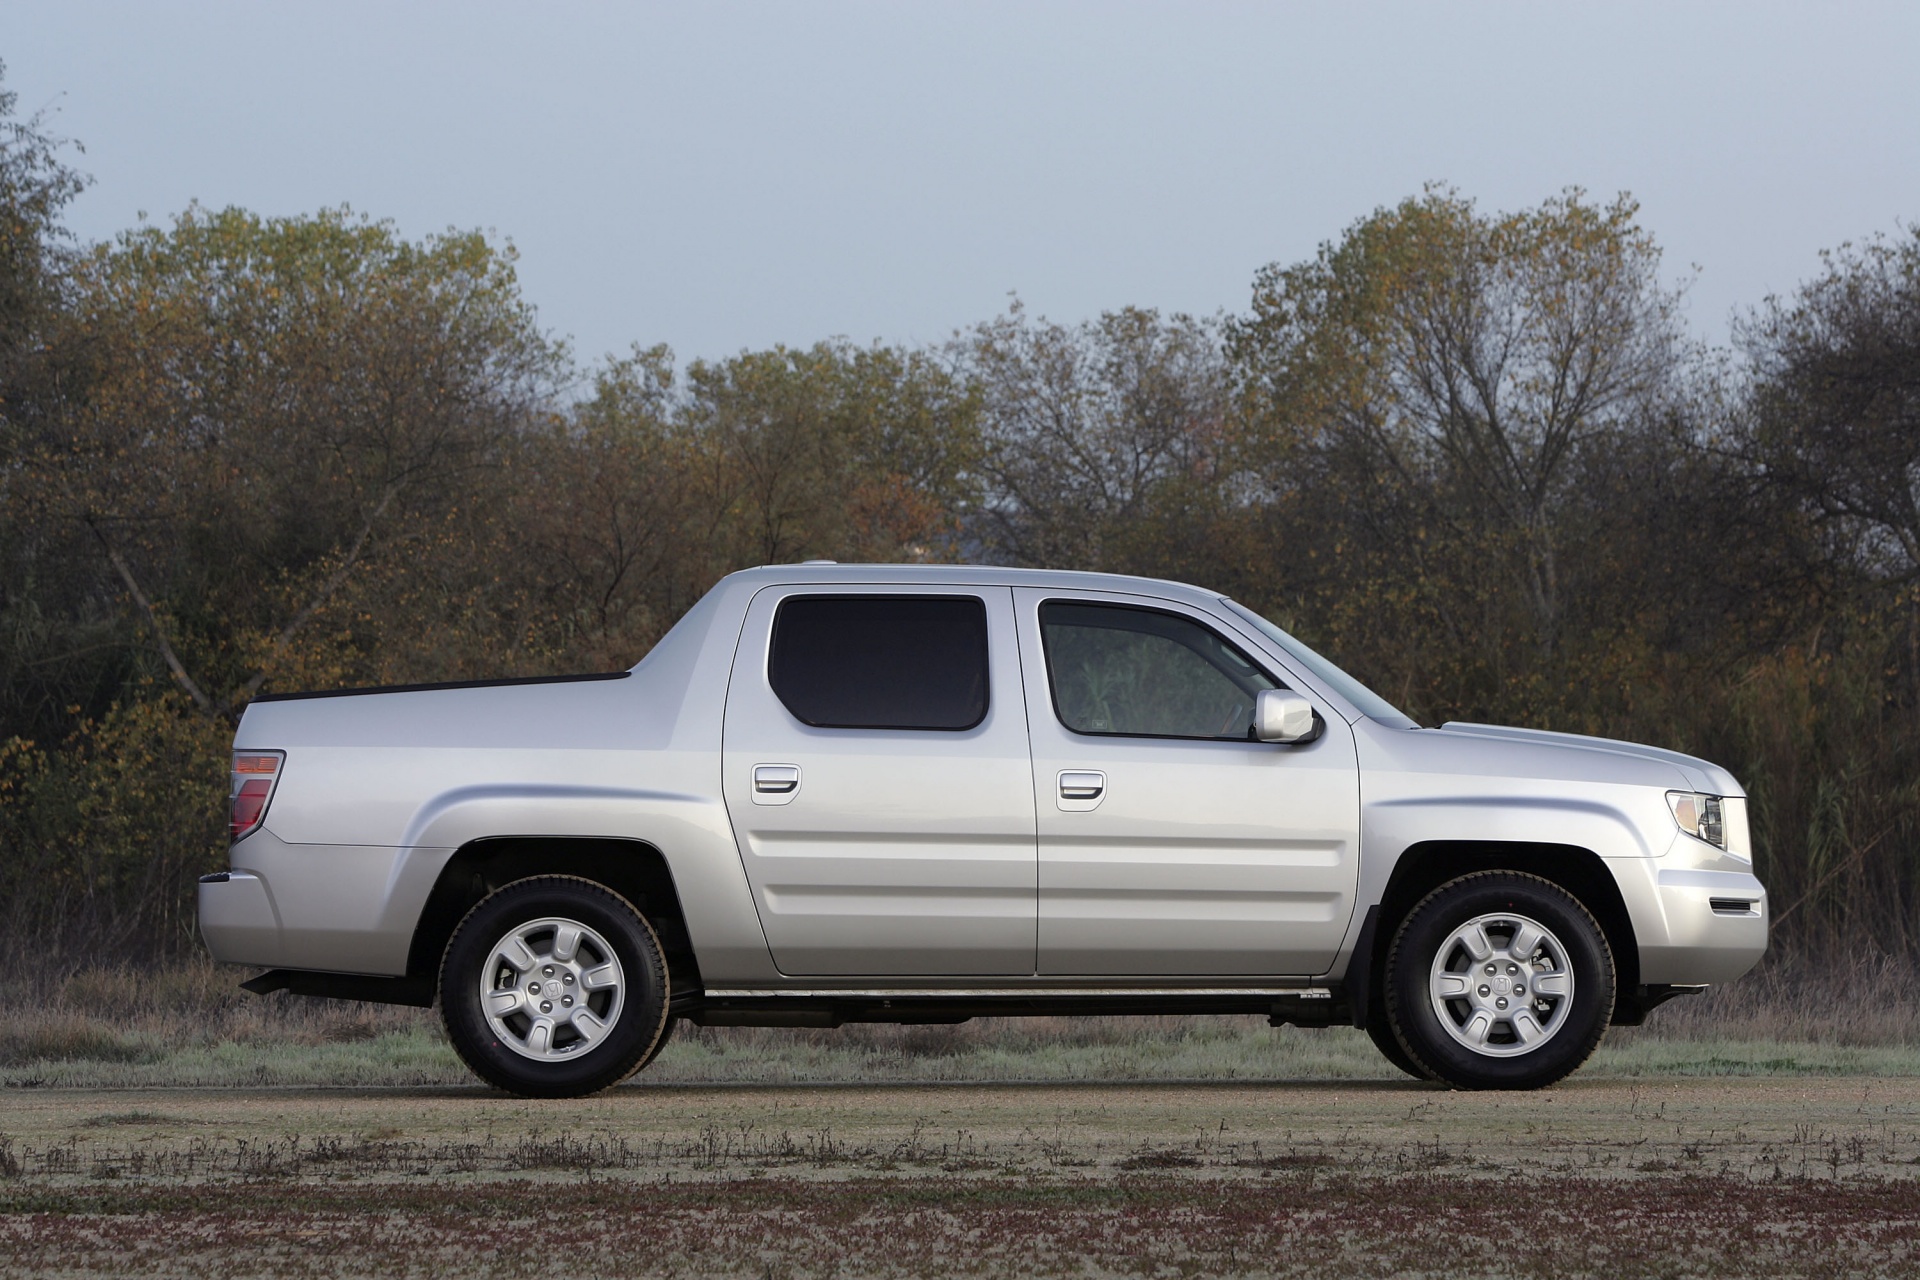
(1281, 715)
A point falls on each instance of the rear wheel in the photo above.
(1499, 980)
(554, 987)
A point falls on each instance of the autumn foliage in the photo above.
(1475, 457)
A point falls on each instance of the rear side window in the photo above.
(881, 662)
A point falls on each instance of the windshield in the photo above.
(1369, 703)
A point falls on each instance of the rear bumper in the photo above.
(1698, 926)
(237, 919)
(329, 908)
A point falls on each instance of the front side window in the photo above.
(881, 662)
(1141, 672)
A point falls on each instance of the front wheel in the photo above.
(1381, 1033)
(1499, 980)
(554, 987)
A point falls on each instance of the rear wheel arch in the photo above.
(1426, 866)
(634, 869)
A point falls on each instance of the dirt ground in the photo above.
(1681, 1177)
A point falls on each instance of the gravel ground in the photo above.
(1683, 1177)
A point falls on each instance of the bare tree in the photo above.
(1084, 424)
(1460, 362)
(1834, 414)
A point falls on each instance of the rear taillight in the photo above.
(254, 775)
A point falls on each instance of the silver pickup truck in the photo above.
(838, 793)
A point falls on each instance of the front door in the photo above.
(879, 783)
(1171, 844)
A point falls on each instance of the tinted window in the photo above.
(881, 662)
(1141, 672)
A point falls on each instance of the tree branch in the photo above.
(180, 676)
(331, 585)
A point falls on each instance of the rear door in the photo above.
(879, 782)
(1170, 843)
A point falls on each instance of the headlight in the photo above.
(1719, 820)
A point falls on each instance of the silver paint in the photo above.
(913, 860)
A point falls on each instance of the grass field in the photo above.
(158, 1123)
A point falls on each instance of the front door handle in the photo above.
(775, 783)
(1082, 784)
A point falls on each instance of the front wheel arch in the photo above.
(1499, 980)
(1581, 872)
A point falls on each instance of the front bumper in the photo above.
(1696, 925)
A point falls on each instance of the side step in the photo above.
(725, 1007)
(833, 1007)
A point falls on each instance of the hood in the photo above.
(1701, 775)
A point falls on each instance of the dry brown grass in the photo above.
(1874, 1001)
(1295, 1224)
(142, 1023)
(136, 1014)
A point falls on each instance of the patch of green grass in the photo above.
(417, 1056)
(1646, 1056)
(115, 1119)
(1104, 1050)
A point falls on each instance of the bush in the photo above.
(102, 839)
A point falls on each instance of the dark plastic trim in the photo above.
(1631, 1007)
(1359, 980)
(448, 684)
(826, 1010)
(411, 990)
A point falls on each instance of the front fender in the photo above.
(1390, 827)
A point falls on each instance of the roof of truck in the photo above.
(827, 571)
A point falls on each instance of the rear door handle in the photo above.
(776, 779)
(775, 783)
(1082, 785)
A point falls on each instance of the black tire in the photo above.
(572, 1065)
(1381, 1033)
(1569, 1027)
(666, 1037)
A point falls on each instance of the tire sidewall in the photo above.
(628, 1043)
(1409, 965)
(1380, 1031)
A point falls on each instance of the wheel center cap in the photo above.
(1502, 985)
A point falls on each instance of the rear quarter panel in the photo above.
(380, 790)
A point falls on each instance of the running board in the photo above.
(831, 1007)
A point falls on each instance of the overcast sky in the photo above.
(730, 176)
